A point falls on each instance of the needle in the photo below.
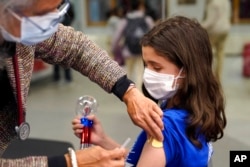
(124, 145)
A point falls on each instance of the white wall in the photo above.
(193, 11)
(239, 35)
(80, 15)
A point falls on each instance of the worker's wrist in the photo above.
(131, 86)
(122, 86)
(129, 92)
(68, 160)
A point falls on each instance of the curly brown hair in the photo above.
(185, 43)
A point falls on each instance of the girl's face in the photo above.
(158, 63)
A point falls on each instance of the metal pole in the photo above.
(163, 9)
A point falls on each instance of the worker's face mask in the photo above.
(35, 29)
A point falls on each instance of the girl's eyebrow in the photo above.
(154, 63)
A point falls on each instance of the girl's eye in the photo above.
(157, 68)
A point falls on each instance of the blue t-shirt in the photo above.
(179, 151)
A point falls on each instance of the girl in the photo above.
(178, 74)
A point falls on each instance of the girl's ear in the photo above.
(182, 73)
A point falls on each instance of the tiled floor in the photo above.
(51, 107)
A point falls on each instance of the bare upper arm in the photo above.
(152, 156)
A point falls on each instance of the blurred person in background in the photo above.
(134, 24)
(150, 11)
(31, 29)
(114, 17)
(217, 22)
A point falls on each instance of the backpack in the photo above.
(133, 33)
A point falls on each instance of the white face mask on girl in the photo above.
(160, 86)
(34, 29)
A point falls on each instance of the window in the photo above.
(240, 11)
(97, 12)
